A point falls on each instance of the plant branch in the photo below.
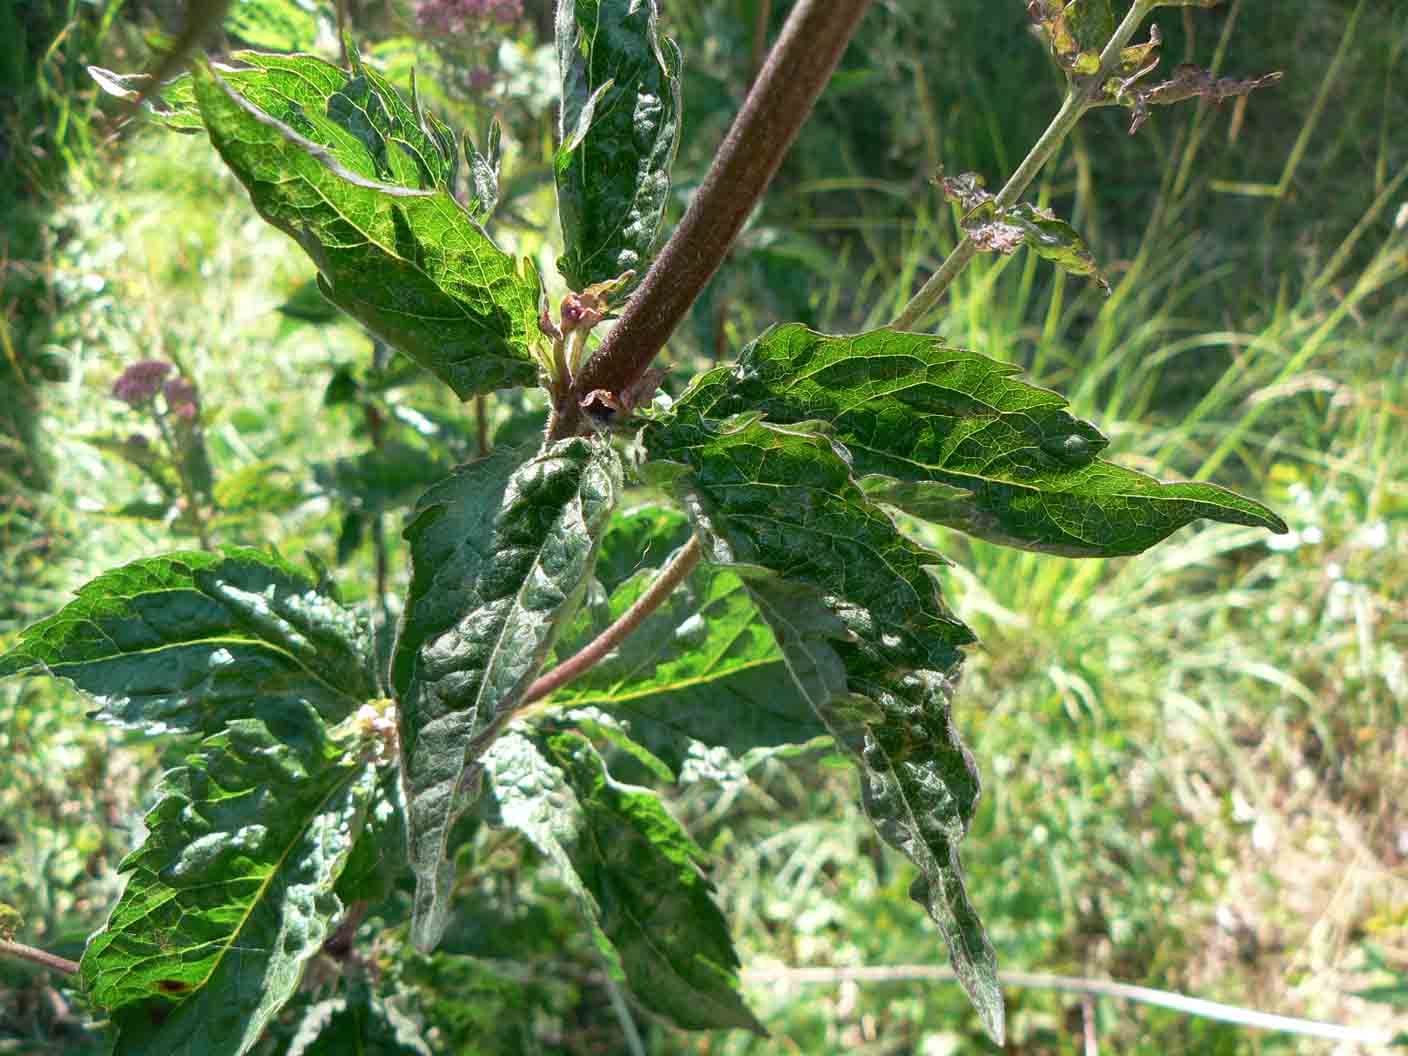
(784, 93)
(1080, 97)
(20, 952)
(188, 488)
(1192, 1006)
(670, 577)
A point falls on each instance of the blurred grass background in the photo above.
(1195, 761)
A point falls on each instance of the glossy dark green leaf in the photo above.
(919, 784)
(619, 130)
(908, 407)
(232, 890)
(187, 642)
(358, 1022)
(782, 498)
(701, 667)
(402, 257)
(635, 870)
(500, 554)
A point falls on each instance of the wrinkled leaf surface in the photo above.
(500, 555)
(908, 407)
(620, 128)
(186, 642)
(634, 868)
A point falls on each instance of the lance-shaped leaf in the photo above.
(173, 104)
(500, 554)
(357, 115)
(782, 498)
(232, 890)
(635, 870)
(407, 262)
(908, 407)
(484, 171)
(187, 642)
(702, 667)
(620, 128)
(919, 784)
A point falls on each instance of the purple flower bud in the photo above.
(138, 384)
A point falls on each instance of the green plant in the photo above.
(790, 607)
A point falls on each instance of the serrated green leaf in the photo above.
(620, 123)
(500, 555)
(174, 105)
(187, 642)
(401, 257)
(701, 667)
(360, 1022)
(908, 407)
(232, 890)
(919, 785)
(635, 870)
(484, 171)
(781, 498)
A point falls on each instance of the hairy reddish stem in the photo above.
(670, 577)
(784, 93)
(20, 952)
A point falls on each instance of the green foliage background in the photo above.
(1193, 759)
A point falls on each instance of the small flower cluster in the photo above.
(453, 16)
(138, 385)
